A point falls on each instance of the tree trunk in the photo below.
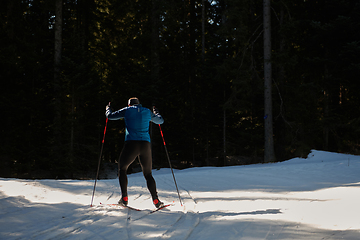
(269, 153)
(326, 128)
(203, 32)
(155, 60)
(224, 133)
(58, 45)
(280, 122)
(57, 80)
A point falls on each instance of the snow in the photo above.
(313, 198)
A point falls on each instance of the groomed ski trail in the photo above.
(314, 198)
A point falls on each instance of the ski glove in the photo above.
(155, 111)
(108, 110)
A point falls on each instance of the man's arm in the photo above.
(119, 114)
(156, 117)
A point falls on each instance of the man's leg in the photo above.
(146, 164)
(127, 156)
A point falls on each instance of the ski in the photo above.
(165, 206)
(136, 209)
(123, 206)
(152, 211)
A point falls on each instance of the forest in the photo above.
(200, 62)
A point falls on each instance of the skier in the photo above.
(137, 143)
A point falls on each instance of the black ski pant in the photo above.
(130, 151)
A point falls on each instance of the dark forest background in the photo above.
(199, 61)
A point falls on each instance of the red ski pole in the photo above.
(167, 154)
(98, 168)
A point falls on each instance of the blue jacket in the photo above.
(137, 119)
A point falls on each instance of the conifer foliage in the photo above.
(200, 62)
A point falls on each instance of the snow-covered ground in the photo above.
(313, 198)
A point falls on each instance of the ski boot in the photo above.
(123, 201)
(158, 203)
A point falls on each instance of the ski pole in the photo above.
(98, 168)
(167, 154)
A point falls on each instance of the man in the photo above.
(137, 143)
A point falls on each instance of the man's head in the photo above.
(133, 101)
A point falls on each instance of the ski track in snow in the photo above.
(316, 198)
(182, 227)
(128, 229)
